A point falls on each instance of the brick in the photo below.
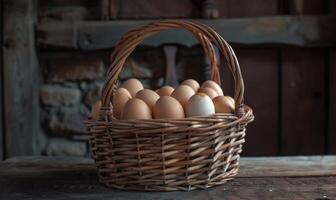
(68, 121)
(64, 147)
(56, 95)
(73, 69)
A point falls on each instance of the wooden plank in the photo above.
(242, 8)
(302, 31)
(332, 105)
(21, 78)
(308, 7)
(151, 9)
(75, 178)
(303, 101)
(292, 166)
(2, 134)
(262, 134)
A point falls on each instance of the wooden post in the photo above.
(1, 90)
(21, 79)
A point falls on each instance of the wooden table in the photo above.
(259, 178)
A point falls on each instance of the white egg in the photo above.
(199, 105)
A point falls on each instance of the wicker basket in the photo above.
(168, 154)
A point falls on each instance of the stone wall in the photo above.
(72, 82)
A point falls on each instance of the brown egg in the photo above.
(199, 105)
(192, 83)
(168, 108)
(232, 100)
(148, 96)
(223, 105)
(208, 91)
(165, 91)
(136, 109)
(121, 97)
(95, 110)
(183, 94)
(132, 85)
(214, 86)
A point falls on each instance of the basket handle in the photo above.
(204, 34)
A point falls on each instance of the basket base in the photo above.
(168, 188)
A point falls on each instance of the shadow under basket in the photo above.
(169, 154)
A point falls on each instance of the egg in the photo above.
(192, 83)
(223, 104)
(232, 100)
(208, 91)
(95, 110)
(132, 85)
(136, 109)
(199, 105)
(165, 91)
(120, 98)
(148, 96)
(167, 107)
(183, 94)
(213, 85)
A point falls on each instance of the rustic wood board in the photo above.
(308, 7)
(142, 9)
(242, 8)
(332, 100)
(303, 102)
(75, 178)
(249, 166)
(2, 134)
(21, 78)
(259, 30)
(261, 94)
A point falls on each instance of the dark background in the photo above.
(55, 53)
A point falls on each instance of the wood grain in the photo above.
(260, 71)
(260, 30)
(2, 133)
(332, 105)
(145, 9)
(303, 101)
(307, 7)
(242, 8)
(21, 78)
(75, 178)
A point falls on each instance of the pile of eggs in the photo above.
(132, 101)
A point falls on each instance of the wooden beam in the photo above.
(21, 78)
(292, 30)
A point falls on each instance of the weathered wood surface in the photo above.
(332, 104)
(294, 30)
(1, 87)
(243, 8)
(21, 78)
(75, 178)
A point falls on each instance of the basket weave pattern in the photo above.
(168, 154)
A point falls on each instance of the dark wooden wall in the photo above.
(1, 88)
